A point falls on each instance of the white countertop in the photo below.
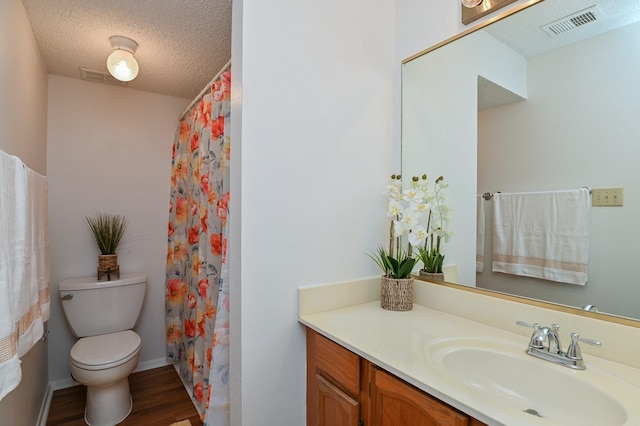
(397, 341)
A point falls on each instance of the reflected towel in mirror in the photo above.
(480, 234)
(542, 235)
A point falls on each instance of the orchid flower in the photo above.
(409, 209)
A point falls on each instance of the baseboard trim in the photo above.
(63, 384)
(44, 408)
(151, 364)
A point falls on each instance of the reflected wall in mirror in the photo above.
(513, 107)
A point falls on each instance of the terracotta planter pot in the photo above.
(396, 294)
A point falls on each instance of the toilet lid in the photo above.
(105, 350)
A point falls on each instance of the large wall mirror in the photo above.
(545, 98)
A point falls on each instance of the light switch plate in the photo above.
(607, 197)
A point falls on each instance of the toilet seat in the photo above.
(106, 350)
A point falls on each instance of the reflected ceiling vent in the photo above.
(573, 21)
(100, 77)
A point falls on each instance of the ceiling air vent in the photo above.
(573, 21)
(99, 77)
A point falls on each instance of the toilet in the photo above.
(102, 314)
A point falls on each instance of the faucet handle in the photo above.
(535, 325)
(540, 334)
(574, 351)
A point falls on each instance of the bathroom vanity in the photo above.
(346, 389)
(431, 365)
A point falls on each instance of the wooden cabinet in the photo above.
(346, 390)
(335, 407)
(395, 402)
(334, 383)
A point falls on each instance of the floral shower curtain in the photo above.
(196, 287)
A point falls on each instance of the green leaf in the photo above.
(405, 268)
(107, 230)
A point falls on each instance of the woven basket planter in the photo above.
(107, 262)
(107, 266)
(432, 276)
(396, 294)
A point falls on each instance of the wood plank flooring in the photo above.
(159, 399)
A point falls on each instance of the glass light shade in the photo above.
(122, 65)
(471, 3)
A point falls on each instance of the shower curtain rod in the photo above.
(206, 88)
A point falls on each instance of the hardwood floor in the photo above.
(159, 399)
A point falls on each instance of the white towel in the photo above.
(24, 265)
(35, 293)
(480, 233)
(12, 214)
(542, 235)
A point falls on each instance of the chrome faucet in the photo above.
(555, 347)
(545, 344)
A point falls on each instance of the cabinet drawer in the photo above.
(396, 402)
(339, 363)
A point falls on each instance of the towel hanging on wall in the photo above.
(24, 265)
(542, 235)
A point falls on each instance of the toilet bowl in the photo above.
(102, 314)
(103, 364)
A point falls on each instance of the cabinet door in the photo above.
(395, 403)
(335, 408)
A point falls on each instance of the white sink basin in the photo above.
(502, 375)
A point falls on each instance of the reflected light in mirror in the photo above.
(471, 3)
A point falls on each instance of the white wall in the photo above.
(23, 85)
(576, 129)
(316, 152)
(109, 150)
(23, 124)
(235, 219)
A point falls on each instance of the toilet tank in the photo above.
(95, 307)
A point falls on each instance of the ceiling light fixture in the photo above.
(471, 3)
(121, 63)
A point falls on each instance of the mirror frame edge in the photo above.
(477, 27)
(490, 293)
(602, 316)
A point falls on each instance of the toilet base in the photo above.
(108, 405)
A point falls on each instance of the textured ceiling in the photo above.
(523, 31)
(182, 44)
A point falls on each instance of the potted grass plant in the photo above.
(107, 230)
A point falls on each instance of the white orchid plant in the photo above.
(437, 223)
(406, 208)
